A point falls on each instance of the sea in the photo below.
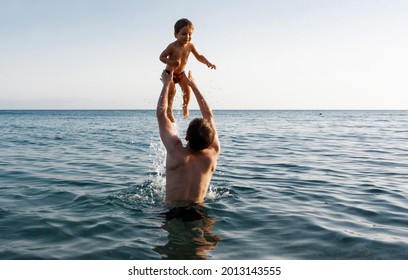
(289, 185)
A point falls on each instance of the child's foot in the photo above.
(185, 112)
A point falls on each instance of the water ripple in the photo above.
(288, 185)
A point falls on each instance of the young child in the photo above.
(176, 57)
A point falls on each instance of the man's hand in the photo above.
(166, 77)
(202, 103)
(190, 79)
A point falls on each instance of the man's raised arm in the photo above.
(205, 109)
(202, 103)
(167, 133)
(161, 110)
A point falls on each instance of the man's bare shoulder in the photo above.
(216, 146)
(210, 153)
(174, 145)
(176, 156)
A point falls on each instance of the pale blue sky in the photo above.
(293, 54)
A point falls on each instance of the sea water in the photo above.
(288, 185)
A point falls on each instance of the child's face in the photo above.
(184, 35)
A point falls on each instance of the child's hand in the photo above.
(174, 63)
(212, 66)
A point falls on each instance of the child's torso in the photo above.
(182, 53)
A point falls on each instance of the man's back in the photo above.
(188, 169)
(188, 174)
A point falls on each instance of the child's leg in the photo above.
(172, 93)
(186, 96)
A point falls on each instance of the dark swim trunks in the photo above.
(176, 77)
(186, 213)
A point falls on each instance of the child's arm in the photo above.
(202, 58)
(164, 57)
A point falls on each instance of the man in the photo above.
(188, 169)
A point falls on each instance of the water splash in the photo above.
(158, 159)
(146, 195)
(215, 193)
(151, 192)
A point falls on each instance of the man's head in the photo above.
(200, 134)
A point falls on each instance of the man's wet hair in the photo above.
(200, 134)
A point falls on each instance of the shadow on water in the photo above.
(189, 234)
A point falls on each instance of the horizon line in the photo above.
(225, 109)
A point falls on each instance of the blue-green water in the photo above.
(289, 185)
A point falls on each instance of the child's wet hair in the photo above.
(182, 23)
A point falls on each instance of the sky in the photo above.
(272, 54)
